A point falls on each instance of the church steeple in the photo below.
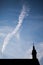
(34, 53)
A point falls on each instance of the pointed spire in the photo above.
(34, 52)
(33, 43)
(33, 47)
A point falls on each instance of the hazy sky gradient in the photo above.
(31, 30)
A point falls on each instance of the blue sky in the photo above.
(31, 30)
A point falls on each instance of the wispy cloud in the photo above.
(28, 53)
(39, 49)
(17, 35)
(2, 34)
(20, 20)
(6, 29)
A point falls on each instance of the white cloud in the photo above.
(2, 34)
(20, 20)
(39, 49)
(5, 29)
(28, 53)
(17, 35)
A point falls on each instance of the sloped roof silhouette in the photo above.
(33, 61)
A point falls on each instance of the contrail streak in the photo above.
(9, 35)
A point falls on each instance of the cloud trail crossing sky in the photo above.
(19, 44)
(20, 21)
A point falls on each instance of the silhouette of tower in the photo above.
(34, 53)
(34, 56)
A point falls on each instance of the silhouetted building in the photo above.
(33, 61)
(34, 53)
(34, 57)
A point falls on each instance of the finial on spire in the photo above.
(33, 43)
(33, 46)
